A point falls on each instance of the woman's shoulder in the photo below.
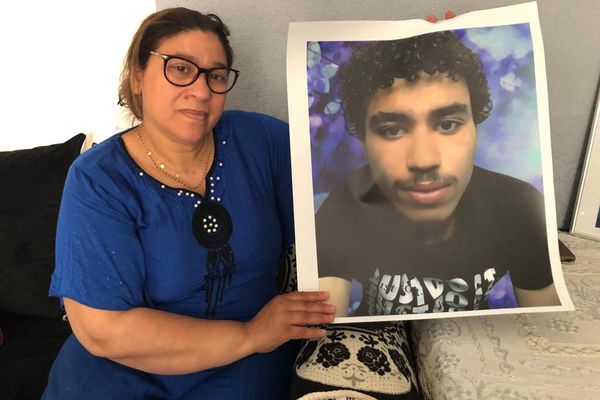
(104, 160)
(249, 116)
(255, 132)
(246, 120)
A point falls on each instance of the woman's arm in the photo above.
(166, 343)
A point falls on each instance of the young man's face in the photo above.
(420, 141)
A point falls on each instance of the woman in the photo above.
(170, 234)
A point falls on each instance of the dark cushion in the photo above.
(32, 181)
(31, 345)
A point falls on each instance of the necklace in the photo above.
(162, 167)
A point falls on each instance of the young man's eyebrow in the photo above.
(451, 109)
(385, 117)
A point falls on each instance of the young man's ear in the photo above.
(364, 147)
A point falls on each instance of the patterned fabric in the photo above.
(360, 361)
(287, 278)
(554, 356)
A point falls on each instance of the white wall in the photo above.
(59, 67)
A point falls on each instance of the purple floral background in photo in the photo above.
(508, 141)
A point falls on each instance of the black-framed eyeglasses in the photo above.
(183, 72)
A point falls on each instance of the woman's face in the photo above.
(183, 114)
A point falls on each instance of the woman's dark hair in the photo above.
(152, 31)
(375, 65)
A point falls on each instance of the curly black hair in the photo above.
(376, 64)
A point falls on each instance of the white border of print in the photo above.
(300, 33)
(588, 197)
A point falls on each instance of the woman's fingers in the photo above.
(303, 301)
(447, 15)
(289, 316)
(311, 307)
(302, 318)
(307, 296)
(302, 332)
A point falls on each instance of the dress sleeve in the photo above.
(99, 257)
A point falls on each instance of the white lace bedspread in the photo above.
(550, 356)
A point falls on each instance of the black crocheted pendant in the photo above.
(212, 225)
(212, 228)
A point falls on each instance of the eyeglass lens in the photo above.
(182, 73)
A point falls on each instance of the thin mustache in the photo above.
(424, 178)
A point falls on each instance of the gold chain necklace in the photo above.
(162, 167)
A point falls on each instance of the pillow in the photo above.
(287, 280)
(363, 361)
(32, 181)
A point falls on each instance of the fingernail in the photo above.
(431, 18)
(449, 14)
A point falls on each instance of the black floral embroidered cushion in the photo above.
(358, 361)
(287, 280)
(32, 181)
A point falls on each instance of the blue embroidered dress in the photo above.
(125, 240)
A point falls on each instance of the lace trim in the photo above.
(539, 345)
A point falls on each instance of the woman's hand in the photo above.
(287, 317)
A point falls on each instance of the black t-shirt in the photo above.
(500, 227)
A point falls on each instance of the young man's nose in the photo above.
(423, 152)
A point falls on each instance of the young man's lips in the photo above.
(427, 194)
(426, 187)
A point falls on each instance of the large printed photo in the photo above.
(429, 166)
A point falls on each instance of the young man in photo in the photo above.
(420, 226)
